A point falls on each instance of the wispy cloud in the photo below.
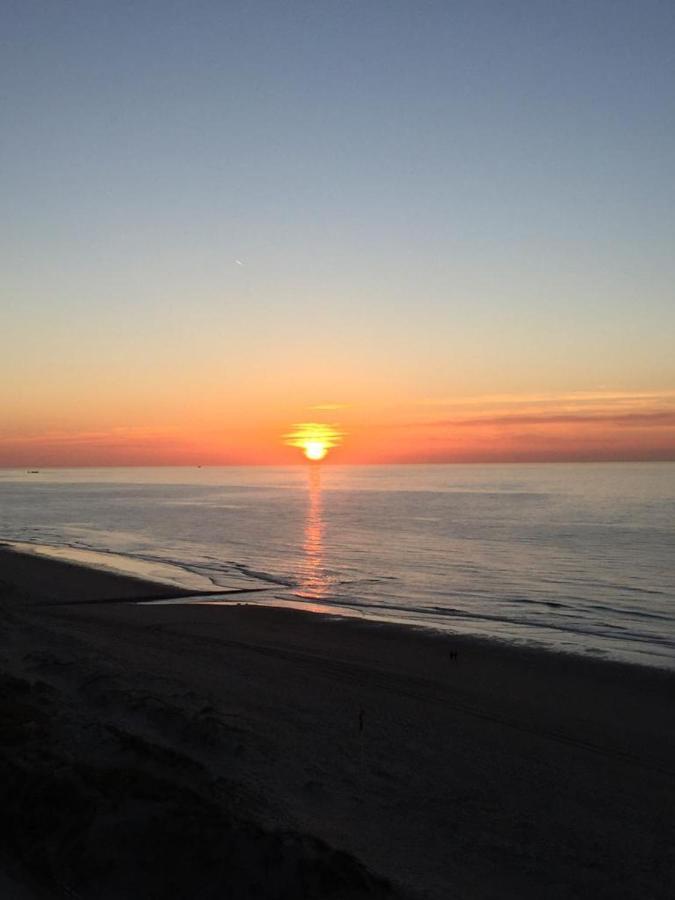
(631, 419)
(570, 399)
(114, 437)
(329, 406)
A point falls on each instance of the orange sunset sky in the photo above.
(579, 426)
(448, 235)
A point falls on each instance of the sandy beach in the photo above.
(243, 751)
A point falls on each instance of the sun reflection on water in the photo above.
(314, 583)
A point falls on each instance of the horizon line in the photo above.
(305, 464)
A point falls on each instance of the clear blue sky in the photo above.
(439, 198)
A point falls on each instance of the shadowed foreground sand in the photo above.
(202, 751)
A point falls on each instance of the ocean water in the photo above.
(577, 557)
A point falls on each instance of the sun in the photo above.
(315, 450)
(315, 439)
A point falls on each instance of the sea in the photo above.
(573, 557)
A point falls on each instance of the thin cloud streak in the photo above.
(329, 406)
(636, 419)
(112, 437)
(560, 400)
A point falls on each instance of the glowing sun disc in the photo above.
(315, 450)
(315, 439)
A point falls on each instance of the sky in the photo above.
(444, 228)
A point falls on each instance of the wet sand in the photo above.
(247, 751)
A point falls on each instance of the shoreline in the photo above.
(442, 763)
(146, 592)
(170, 589)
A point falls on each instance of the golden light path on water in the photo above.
(314, 582)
